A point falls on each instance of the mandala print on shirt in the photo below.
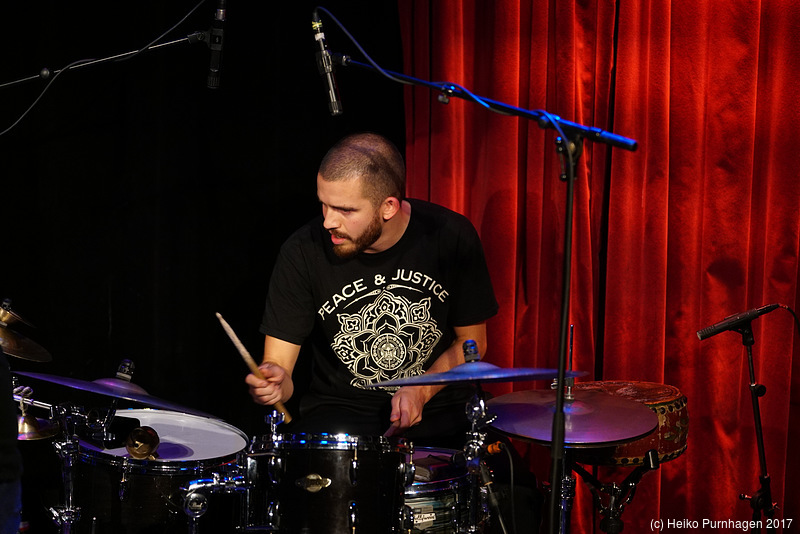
(389, 338)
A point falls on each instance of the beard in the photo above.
(359, 244)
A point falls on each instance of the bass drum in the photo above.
(119, 494)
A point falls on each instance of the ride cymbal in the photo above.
(591, 418)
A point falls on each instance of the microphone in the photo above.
(325, 66)
(733, 321)
(215, 40)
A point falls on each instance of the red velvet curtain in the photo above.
(700, 223)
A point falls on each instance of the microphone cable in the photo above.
(45, 72)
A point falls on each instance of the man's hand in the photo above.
(270, 389)
(407, 404)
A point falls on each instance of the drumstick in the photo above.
(251, 364)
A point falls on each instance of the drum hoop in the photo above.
(155, 466)
(342, 442)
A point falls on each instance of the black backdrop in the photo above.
(137, 202)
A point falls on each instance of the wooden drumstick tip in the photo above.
(287, 418)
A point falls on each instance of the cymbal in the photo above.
(9, 316)
(17, 345)
(30, 428)
(477, 372)
(113, 388)
(591, 419)
(120, 385)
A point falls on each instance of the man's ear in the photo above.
(390, 207)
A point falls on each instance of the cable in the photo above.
(504, 447)
(45, 73)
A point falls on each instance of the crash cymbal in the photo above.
(17, 345)
(112, 388)
(592, 418)
(477, 372)
(30, 428)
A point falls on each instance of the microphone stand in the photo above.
(761, 501)
(544, 119)
(45, 73)
(569, 145)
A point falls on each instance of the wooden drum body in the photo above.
(670, 437)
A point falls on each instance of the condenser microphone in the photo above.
(215, 40)
(325, 66)
(734, 321)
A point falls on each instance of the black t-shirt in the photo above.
(378, 317)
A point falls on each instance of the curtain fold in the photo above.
(700, 223)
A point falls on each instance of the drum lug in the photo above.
(274, 515)
(408, 519)
(275, 469)
(352, 516)
(407, 471)
(123, 483)
(354, 471)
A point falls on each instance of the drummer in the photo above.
(378, 287)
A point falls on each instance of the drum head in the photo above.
(183, 438)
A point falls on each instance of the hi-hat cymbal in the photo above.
(113, 388)
(591, 419)
(478, 372)
(17, 345)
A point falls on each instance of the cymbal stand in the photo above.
(618, 495)
(478, 472)
(67, 448)
(761, 501)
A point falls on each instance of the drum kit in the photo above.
(169, 468)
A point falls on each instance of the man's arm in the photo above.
(277, 366)
(408, 401)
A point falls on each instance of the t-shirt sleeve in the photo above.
(473, 295)
(289, 312)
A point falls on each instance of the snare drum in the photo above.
(670, 437)
(117, 493)
(442, 498)
(324, 484)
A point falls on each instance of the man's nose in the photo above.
(330, 219)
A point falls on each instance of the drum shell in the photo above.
(669, 439)
(446, 502)
(315, 483)
(120, 494)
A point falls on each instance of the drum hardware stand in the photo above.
(473, 450)
(67, 449)
(761, 500)
(566, 493)
(619, 495)
(66, 446)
